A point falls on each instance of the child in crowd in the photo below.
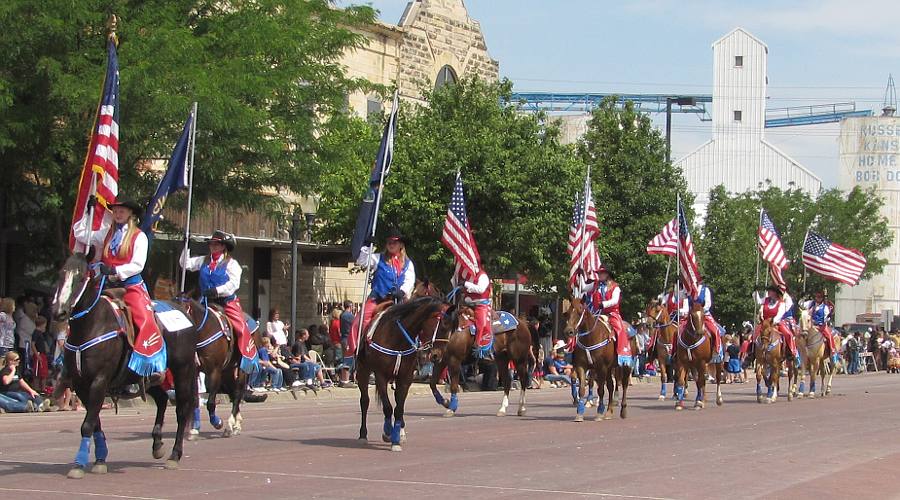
(266, 368)
(13, 387)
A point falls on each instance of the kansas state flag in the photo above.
(176, 178)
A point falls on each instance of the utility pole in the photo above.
(681, 101)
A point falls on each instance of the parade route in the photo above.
(841, 446)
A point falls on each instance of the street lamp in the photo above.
(309, 205)
(681, 101)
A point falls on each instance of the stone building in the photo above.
(435, 42)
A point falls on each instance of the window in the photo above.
(738, 61)
(373, 107)
(446, 75)
(737, 116)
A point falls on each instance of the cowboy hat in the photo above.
(559, 345)
(124, 201)
(224, 238)
(394, 234)
(604, 269)
(775, 289)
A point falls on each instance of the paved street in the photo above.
(838, 447)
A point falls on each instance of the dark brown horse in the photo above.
(771, 352)
(96, 359)
(692, 355)
(663, 331)
(220, 358)
(390, 353)
(595, 350)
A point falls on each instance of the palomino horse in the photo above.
(692, 354)
(96, 361)
(219, 357)
(771, 352)
(663, 332)
(815, 360)
(595, 350)
(390, 352)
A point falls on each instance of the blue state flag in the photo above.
(368, 210)
(176, 178)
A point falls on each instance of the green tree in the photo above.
(266, 74)
(519, 183)
(635, 191)
(729, 256)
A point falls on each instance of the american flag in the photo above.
(457, 235)
(771, 249)
(582, 232)
(832, 260)
(101, 166)
(666, 242)
(687, 258)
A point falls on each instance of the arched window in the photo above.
(445, 75)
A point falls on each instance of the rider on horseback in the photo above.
(393, 278)
(704, 298)
(603, 296)
(220, 278)
(478, 295)
(819, 312)
(773, 307)
(122, 250)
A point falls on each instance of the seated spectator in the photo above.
(266, 369)
(279, 360)
(559, 372)
(303, 361)
(7, 325)
(13, 387)
(276, 329)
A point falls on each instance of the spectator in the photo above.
(333, 351)
(279, 360)
(346, 326)
(24, 318)
(304, 363)
(559, 372)
(276, 329)
(853, 347)
(7, 325)
(537, 376)
(13, 387)
(317, 335)
(267, 368)
(733, 361)
(39, 364)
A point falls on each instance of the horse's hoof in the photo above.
(521, 412)
(679, 407)
(661, 398)
(363, 439)
(75, 473)
(811, 395)
(579, 418)
(588, 403)
(402, 436)
(608, 415)
(759, 399)
(396, 447)
(623, 413)
(828, 391)
(699, 405)
(193, 435)
(171, 464)
(158, 452)
(720, 401)
(598, 418)
(227, 433)
(99, 468)
(770, 401)
(449, 413)
(501, 413)
(385, 438)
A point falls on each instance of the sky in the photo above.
(820, 52)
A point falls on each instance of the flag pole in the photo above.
(801, 259)
(187, 225)
(678, 296)
(362, 302)
(666, 282)
(756, 282)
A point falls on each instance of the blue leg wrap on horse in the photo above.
(438, 397)
(590, 393)
(803, 386)
(146, 365)
(84, 452)
(388, 425)
(625, 361)
(812, 386)
(454, 402)
(699, 395)
(395, 432)
(758, 390)
(662, 392)
(574, 388)
(215, 421)
(770, 392)
(581, 404)
(679, 392)
(196, 422)
(601, 407)
(100, 449)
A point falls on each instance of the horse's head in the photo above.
(73, 281)
(449, 322)
(805, 320)
(425, 288)
(576, 317)
(655, 313)
(767, 330)
(696, 317)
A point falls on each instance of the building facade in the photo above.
(738, 155)
(870, 157)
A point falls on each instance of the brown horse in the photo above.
(692, 354)
(595, 350)
(771, 353)
(390, 352)
(663, 330)
(512, 346)
(219, 357)
(814, 357)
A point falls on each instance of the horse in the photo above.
(394, 339)
(770, 355)
(595, 350)
(96, 361)
(664, 336)
(692, 354)
(219, 358)
(814, 360)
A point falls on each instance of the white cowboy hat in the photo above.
(559, 345)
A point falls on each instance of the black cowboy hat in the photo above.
(224, 238)
(775, 289)
(604, 269)
(124, 201)
(394, 234)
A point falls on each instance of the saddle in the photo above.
(116, 298)
(168, 318)
(501, 322)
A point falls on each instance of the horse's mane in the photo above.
(400, 311)
(75, 262)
